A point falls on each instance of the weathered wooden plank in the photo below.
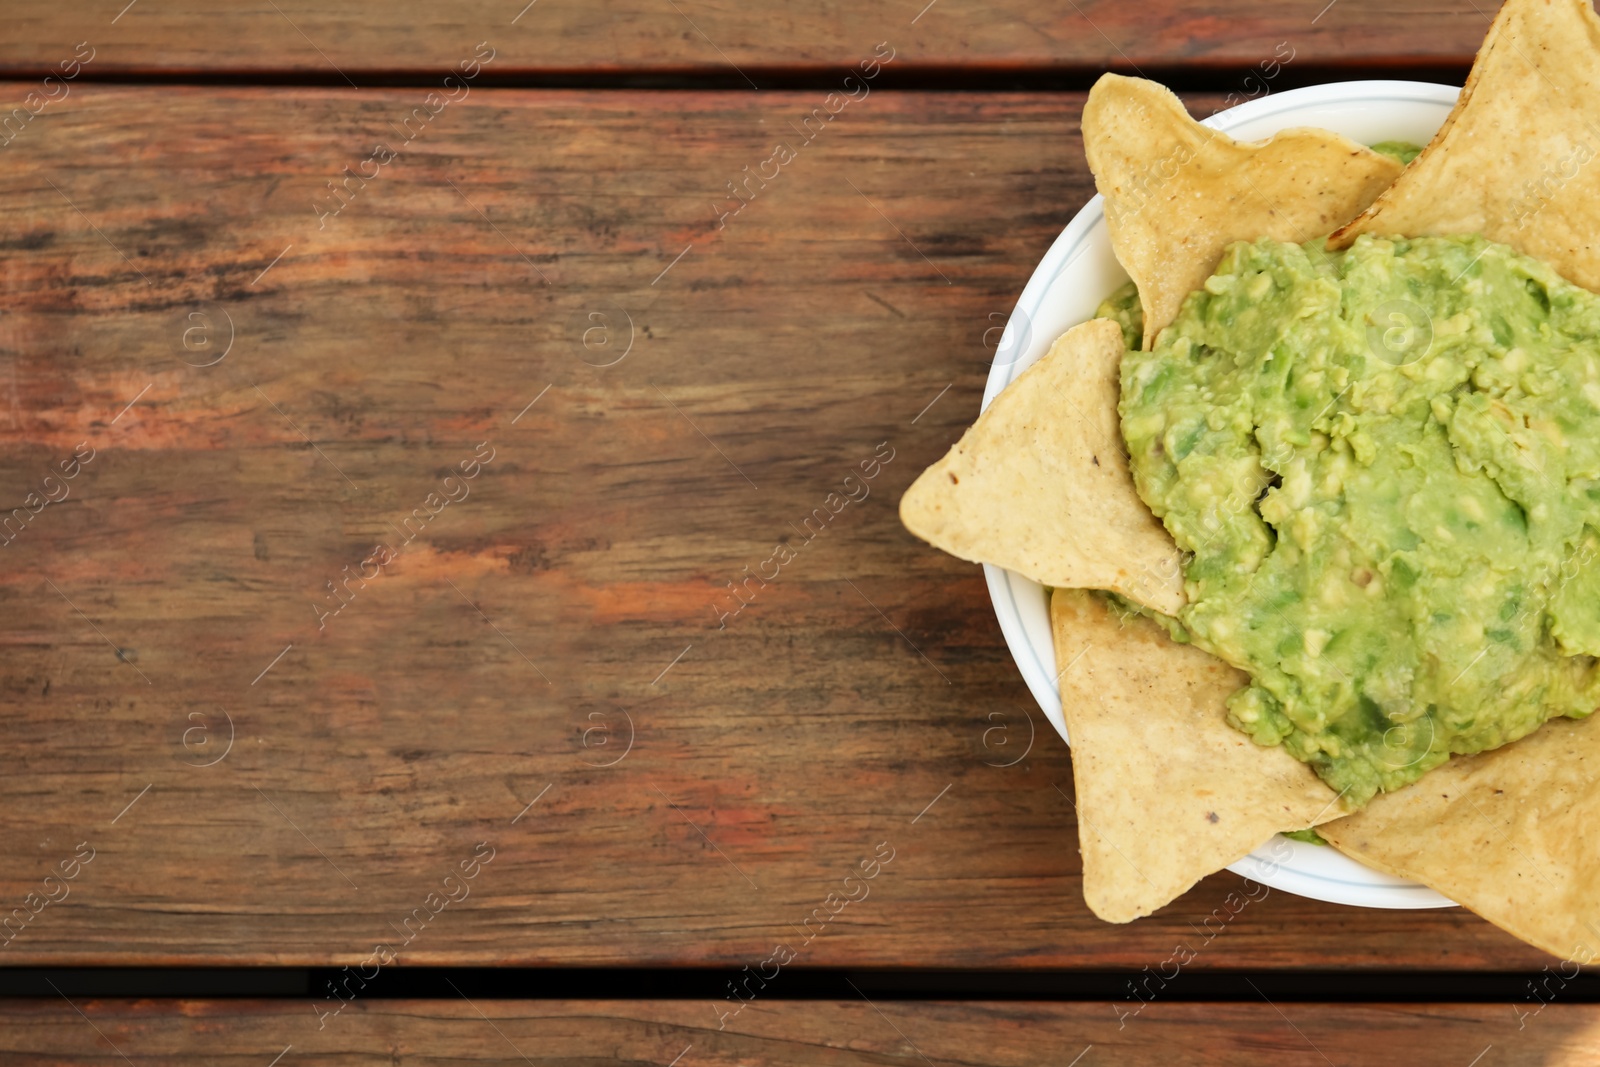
(718, 38)
(484, 684)
(806, 1032)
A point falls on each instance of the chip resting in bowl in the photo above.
(1177, 193)
(1152, 819)
(1514, 162)
(1040, 483)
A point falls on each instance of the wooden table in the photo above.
(425, 431)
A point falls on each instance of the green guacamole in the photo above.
(1404, 151)
(1123, 307)
(1385, 464)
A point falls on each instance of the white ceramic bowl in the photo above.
(1076, 274)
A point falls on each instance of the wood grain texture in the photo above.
(481, 686)
(33, 1034)
(719, 37)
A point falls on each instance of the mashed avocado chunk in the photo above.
(1404, 151)
(1386, 465)
(1123, 308)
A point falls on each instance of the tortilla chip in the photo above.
(1178, 193)
(1040, 483)
(1515, 159)
(1510, 834)
(1168, 792)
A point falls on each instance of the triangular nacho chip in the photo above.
(1168, 792)
(1040, 483)
(1509, 833)
(1178, 193)
(1516, 159)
